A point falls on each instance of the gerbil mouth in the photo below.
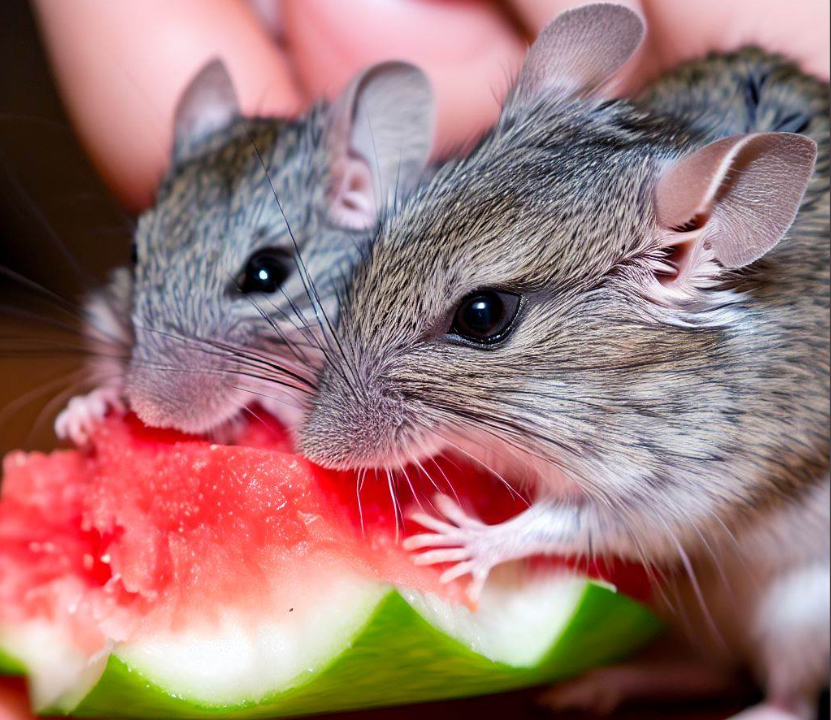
(471, 467)
(280, 419)
(227, 431)
(248, 426)
(237, 425)
(520, 470)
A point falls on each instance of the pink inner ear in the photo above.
(686, 254)
(353, 205)
(379, 138)
(686, 192)
(732, 201)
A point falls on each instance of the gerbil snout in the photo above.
(172, 385)
(190, 401)
(355, 425)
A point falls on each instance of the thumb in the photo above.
(121, 67)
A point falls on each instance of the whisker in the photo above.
(424, 472)
(699, 594)
(359, 485)
(410, 485)
(233, 351)
(294, 350)
(317, 305)
(51, 408)
(43, 222)
(68, 306)
(256, 416)
(50, 347)
(399, 519)
(267, 396)
(487, 467)
(31, 396)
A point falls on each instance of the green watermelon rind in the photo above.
(10, 666)
(396, 658)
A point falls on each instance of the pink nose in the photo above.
(346, 430)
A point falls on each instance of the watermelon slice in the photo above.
(162, 576)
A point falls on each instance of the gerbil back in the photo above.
(749, 91)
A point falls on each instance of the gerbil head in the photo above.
(565, 297)
(241, 256)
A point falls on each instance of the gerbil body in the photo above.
(626, 304)
(758, 594)
(238, 262)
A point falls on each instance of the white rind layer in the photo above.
(56, 667)
(519, 616)
(228, 657)
(236, 659)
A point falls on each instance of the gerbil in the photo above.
(626, 304)
(238, 262)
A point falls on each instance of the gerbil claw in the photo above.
(83, 413)
(461, 539)
(426, 540)
(433, 524)
(432, 557)
(451, 510)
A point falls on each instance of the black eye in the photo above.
(485, 317)
(134, 254)
(265, 271)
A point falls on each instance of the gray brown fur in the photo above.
(212, 212)
(200, 351)
(554, 204)
(694, 428)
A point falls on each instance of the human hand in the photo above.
(121, 66)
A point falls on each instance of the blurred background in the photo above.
(59, 228)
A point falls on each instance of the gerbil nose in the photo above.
(348, 429)
(192, 402)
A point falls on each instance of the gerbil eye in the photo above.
(134, 254)
(265, 271)
(486, 316)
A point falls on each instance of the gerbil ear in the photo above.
(380, 134)
(579, 51)
(208, 104)
(732, 201)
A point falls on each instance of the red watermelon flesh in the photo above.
(148, 529)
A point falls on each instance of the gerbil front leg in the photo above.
(108, 334)
(792, 643)
(85, 412)
(548, 527)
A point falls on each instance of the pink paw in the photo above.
(85, 412)
(600, 692)
(460, 539)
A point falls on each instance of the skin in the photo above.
(112, 89)
(117, 87)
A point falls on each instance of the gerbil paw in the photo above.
(600, 692)
(471, 547)
(85, 412)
